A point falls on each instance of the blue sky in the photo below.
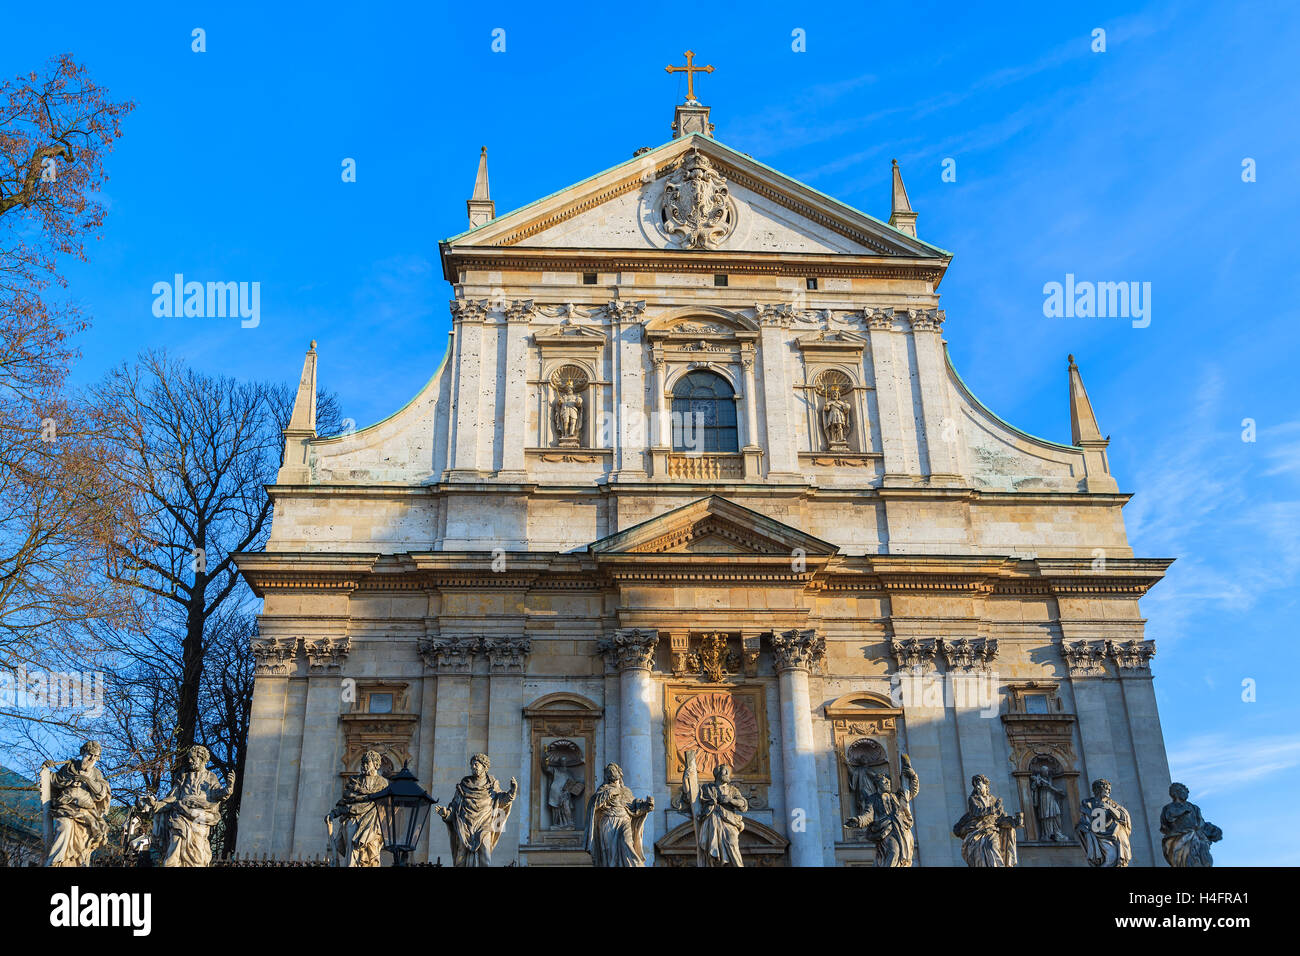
(1122, 165)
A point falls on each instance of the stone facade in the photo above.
(530, 557)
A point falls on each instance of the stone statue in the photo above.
(477, 814)
(717, 811)
(74, 801)
(1047, 806)
(862, 784)
(722, 808)
(1187, 837)
(987, 832)
(183, 819)
(1103, 828)
(837, 419)
(352, 827)
(563, 787)
(615, 820)
(568, 416)
(888, 820)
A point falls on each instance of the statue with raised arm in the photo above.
(1186, 836)
(74, 801)
(987, 832)
(887, 820)
(352, 826)
(1103, 828)
(721, 815)
(183, 820)
(477, 814)
(1047, 804)
(615, 819)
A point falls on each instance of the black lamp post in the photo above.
(403, 810)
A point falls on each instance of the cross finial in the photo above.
(690, 69)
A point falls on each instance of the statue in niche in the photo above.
(1103, 828)
(477, 814)
(888, 820)
(1186, 836)
(717, 811)
(1047, 799)
(837, 418)
(564, 783)
(987, 832)
(864, 758)
(183, 820)
(567, 416)
(615, 820)
(74, 801)
(352, 826)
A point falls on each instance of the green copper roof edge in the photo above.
(735, 152)
(387, 418)
(994, 415)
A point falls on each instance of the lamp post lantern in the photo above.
(403, 810)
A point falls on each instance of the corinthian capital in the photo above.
(630, 648)
(621, 310)
(914, 653)
(449, 655)
(797, 649)
(968, 655)
(773, 313)
(469, 310)
(1131, 655)
(326, 653)
(879, 319)
(274, 656)
(925, 320)
(1085, 658)
(507, 653)
(520, 310)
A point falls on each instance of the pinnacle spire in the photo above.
(1083, 421)
(901, 216)
(480, 206)
(302, 426)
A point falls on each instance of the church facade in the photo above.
(697, 476)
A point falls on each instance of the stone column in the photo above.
(782, 454)
(975, 699)
(895, 415)
(274, 658)
(514, 434)
(632, 651)
(629, 388)
(467, 323)
(1132, 661)
(507, 657)
(661, 436)
(319, 782)
(451, 659)
(794, 652)
(940, 427)
(753, 451)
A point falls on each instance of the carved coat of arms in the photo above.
(696, 206)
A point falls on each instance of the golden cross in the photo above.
(690, 69)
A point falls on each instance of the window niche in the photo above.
(379, 719)
(1041, 738)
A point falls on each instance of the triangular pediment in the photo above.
(713, 525)
(623, 208)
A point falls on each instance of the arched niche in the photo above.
(865, 733)
(561, 773)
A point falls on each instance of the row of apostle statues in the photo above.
(75, 800)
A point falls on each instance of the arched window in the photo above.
(704, 414)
